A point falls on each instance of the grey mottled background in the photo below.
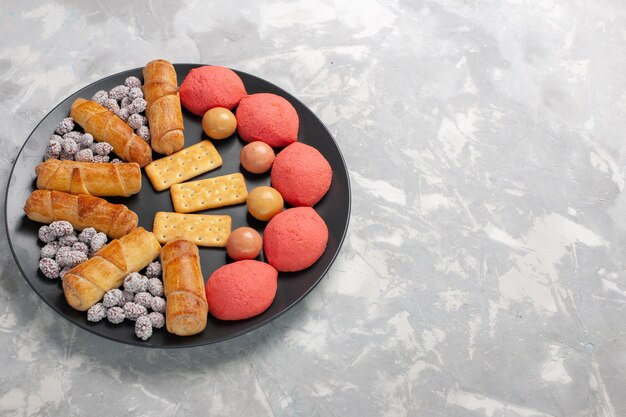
(484, 271)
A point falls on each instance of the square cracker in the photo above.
(201, 229)
(183, 165)
(209, 193)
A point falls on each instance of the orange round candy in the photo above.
(257, 157)
(264, 203)
(244, 243)
(219, 123)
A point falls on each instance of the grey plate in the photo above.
(292, 287)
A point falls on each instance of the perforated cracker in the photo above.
(183, 165)
(209, 193)
(201, 229)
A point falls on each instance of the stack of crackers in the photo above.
(188, 197)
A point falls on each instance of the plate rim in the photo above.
(256, 326)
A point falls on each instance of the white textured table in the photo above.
(484, 271)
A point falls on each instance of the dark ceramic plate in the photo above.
(292, 287)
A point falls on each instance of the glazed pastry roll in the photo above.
(183, 285)
(163, 110)
(99, 179)
(86, 283)
(105, 126)
(82, 211)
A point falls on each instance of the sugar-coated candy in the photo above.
(143, 327)
(46, 235)
(98, 241)
(73, 135)
(66, 256)
(154, 270)
(69, 146)
(133, 310)
(111, 104)
(61, 228)
(135, 121)
(143, 298)
(101, 148)
(144, 283)
(100, 97)
(49, 250)
(81, 247)
(132, 82)
(87, 234)
(125, 102)
(112, 298)
(54, 148)
(49, 268)
(157, 319)
(137, 106)
(77, 256)
(68, 240)
(86, 140)
(101, 158)
(144, 133)
(115, 315)
(123, 113)
(134, 282)
(127, 297)
(96, 312)
(66, 125)
(155, 287)
(134, 93)
(158, 304)
(82, 145)
(118, 92)
(84, 155)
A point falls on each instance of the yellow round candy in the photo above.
(244, 243)
(264, 203)
(219, 123)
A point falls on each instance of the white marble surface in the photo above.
(484, 270)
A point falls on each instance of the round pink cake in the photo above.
(295, 239)
(211, 86)
(241, 289)
(268, 118)
(301, 174)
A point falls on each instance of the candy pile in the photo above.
(127, 102)
(64, 248)
(70, 144)
(140, 294)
